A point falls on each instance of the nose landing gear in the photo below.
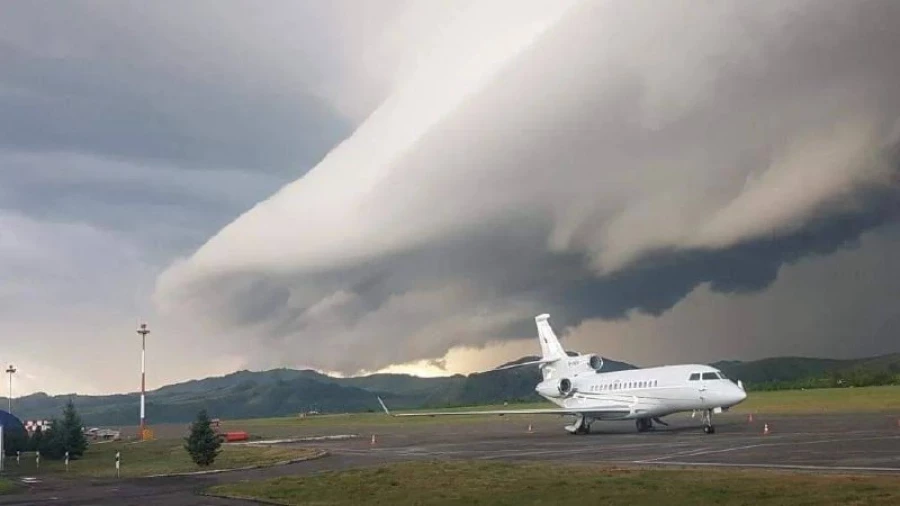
(706, 418)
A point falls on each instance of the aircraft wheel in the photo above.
(709, 429)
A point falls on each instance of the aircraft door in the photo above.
(696, 381)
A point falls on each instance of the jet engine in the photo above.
(559, 388)
(565, 386)
(584, 364)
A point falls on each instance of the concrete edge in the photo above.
(229, 497)
(319, 454)
(307, 439)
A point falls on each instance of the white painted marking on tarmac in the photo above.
(336, 437)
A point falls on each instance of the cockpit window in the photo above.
(722, 376)
(710, 376)
(695, 376)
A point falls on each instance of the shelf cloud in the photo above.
(587, 159)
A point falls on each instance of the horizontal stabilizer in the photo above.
(523, 364)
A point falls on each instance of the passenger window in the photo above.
(695, 376)
(710, 376)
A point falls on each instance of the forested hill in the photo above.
(280, 392)
(803, 372)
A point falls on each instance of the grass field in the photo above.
(6, 486)
(451, 483)
(884, 399)
(839, 400)
(149, 458)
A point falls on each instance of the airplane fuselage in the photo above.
(643, 393)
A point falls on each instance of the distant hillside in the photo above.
(811, 372)
(281, 392)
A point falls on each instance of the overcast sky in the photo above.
(359, 185)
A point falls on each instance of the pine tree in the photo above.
(203, 443)
(37, 438)
(52, 445)
(65, 435)
(76, 442)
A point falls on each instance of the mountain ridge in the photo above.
(285, 392)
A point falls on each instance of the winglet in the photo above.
(383, 406)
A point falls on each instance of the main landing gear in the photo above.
(646, 424)
(580, 426)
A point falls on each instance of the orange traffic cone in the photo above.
(766, 429)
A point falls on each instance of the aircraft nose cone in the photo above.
(739, 395)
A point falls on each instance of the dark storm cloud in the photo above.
(615, 162)
(109, 80)
(131, 132)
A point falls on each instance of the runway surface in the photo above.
(845, 444)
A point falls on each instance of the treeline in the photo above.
(63, 436)
(833, 379)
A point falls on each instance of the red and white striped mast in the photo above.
(143, 331)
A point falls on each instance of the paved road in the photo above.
(854, 443)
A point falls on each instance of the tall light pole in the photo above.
(10, 370)
(143, 331)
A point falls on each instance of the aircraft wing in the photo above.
(540, 411)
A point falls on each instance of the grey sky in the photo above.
(650, 174)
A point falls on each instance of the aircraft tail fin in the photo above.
(550, 348)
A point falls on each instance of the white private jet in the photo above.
(579, 388)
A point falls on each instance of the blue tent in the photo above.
(10, 422)
(14, 435)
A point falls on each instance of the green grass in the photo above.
(452, 483)
(885, 399)
(7, 487)
(151, 457)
